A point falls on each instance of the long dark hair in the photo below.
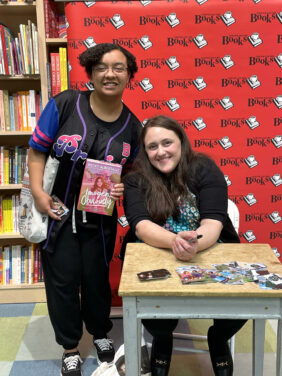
(163, 193)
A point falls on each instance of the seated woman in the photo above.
(172, 195)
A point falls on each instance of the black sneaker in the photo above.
(105, 350)
(71, 364)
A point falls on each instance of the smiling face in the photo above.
(163, 148)
(110, 76)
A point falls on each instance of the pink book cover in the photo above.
(98, 179)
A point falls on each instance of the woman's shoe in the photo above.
(160, 360)
(223, 364)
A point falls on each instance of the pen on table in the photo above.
(192, 240)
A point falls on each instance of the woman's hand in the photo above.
(117, 191)
(44, 204)
(185, 245)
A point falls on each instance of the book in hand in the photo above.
(99, 177)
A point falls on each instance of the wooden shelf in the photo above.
(20, 77)
(34, 293)
(55, 41)
(12, 14)
(5, 187)
(11, 235)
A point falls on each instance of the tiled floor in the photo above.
(28, 347)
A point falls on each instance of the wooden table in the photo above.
(171, 299)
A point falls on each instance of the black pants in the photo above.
(224, 329)
(80, 264)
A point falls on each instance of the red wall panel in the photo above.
(215, 66)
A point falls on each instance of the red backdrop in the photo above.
(215, 66)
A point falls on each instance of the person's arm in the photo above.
(36, 165)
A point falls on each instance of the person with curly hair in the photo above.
(74, 126)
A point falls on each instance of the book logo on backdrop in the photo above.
(157, 63)
(227, 18)
(89, 42)
(117, 21)
(209, 61)
(126, 42)
(277, 121)
(200, 2)
(145, 42)
(263, 101)
(254, 39)
(278, 101)
(231, 161)
(249, 236)
(265, 60)
(236, 39)
(146, 85)
(207, 103)
(277, 141)
(251, 161)
(172, 20)
(235, 198)
(228, 181)
(250, 199)
(75, 44)
(199, 123)
(156, 20)
(233, 122)
(172, 63)
(95, 20)
(206, 18)
(200, 41)
(145, 2)
(258, 141)
(262, 180)
(275, 235)
(182, 41)
(225, 143)
(206, 142)
(266, 17)
(276, 160)
(183, 83)
(227, 61)
(279, 16)
(199, 83)
(89, 4)
(159, 105)
(252, 122)
(275, 217)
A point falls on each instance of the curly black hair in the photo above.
(93, 55)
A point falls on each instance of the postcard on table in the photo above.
(98, 179)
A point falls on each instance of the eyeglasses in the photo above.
(118, 69)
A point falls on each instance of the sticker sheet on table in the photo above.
(215, 66)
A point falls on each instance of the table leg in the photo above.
(279, 349)
(132, 337)
(258, 346)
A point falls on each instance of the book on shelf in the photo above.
(13, 161)
(6, 268)
(2, 114)
(51, 19)
(16, 264)
(12, 114)
(55, 73)
(98, 179)
(1, 217)
(1, 265)
(63, 68)
(6, 110)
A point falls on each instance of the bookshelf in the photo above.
(12, 14)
